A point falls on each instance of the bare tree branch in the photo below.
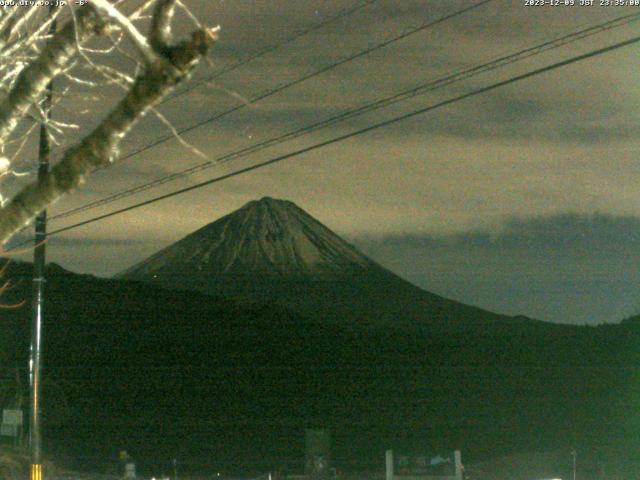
(33, 80)
(172, 64)
(107, 9)
(160, 35)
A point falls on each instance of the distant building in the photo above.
(424, 467)
(318, 462)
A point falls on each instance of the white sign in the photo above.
(8, 430)
(12, 416)
(130, 470)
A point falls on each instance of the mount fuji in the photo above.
(316, 334)
(272, 251)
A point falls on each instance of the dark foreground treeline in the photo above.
(230, 388)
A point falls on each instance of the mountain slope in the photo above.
(269, 237)
(272, 251)
(165, 373)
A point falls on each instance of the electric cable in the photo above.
(376, 126)
(270, 49)
(369, 107)
(304, 78)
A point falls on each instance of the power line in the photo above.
(362, 131)
(304, 78)
(270, 49)
(369, 107)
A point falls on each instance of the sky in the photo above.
(522, 200)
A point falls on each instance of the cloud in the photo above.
(470, 199)
(568, 268)
(569, 230)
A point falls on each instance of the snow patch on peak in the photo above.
(268, 237)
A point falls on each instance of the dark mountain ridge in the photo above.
(273, 251)
(304, 331)
(222, 386)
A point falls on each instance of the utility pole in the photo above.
(574, 454)
(35, 353)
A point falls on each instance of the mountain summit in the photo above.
(272, 252)
(266, 237)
